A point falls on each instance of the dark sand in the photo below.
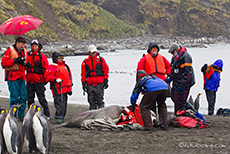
(215, 139)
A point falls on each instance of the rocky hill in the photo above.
(69, 20)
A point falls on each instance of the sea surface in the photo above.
(122, 65)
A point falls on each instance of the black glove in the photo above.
(19, 60)
(203, 68)
(105, 85)
(84, 86)
(28, 65)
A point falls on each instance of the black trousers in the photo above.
(211, 98)
(95, 96)
(60, 104)
(39, 89)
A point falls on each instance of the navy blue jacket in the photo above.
(182, 72)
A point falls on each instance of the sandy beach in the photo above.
(215, 139)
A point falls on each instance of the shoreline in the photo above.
(79, 47)
(175, 140)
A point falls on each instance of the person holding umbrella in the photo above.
(60, 77)
(13, 61)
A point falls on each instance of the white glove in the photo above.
(58, 80)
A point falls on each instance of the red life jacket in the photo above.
(189, 120)
(131, 116)
(154, 65)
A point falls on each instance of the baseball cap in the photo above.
(173, 47)
(92, 48)
(34, 42)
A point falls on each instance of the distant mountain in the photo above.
(73, 19)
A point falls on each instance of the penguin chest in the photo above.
(9, 137)
(38, 133)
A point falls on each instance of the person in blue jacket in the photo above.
(211, 74)
(154, 89)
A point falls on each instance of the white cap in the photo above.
(92, 48)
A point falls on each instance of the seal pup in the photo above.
(3, 114)
(12, 132)
(27, 130)
(42, 131)
(113, 112)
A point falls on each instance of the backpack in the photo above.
(223, 112)
(188, 119)
(131, 115)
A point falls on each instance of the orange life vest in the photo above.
(13, 54)
(65, 75)
(154, 65)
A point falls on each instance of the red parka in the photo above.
(94, 70)
(62, 71)
(7, 61)
(141, 66)
(38, 64)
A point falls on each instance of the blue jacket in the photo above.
(146, 84)
(213, 82)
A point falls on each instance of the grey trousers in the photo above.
(211, 98)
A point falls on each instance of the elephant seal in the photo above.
(113, 112)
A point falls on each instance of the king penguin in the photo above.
(197, 102)
(12, 132)
(3, 114)
(27, 129)
(42, 131)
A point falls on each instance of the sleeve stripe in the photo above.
(185, 64)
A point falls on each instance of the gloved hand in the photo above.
(179, 88)
(133, 103)
(105, 85)
(168, 80)
(203, 68)
(28, 65)
(19, 60)
(84, 86)
(58, 80)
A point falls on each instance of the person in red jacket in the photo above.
(60, 77)
(94, 77)
(37, 63)
(154, 63)
(13, 61)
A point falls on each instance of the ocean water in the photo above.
(122, 76)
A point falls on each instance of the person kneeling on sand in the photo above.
(154, 89)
